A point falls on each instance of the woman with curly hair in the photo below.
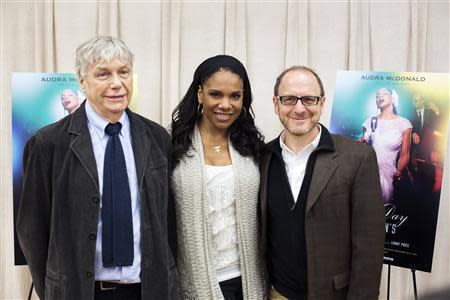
(215, 182)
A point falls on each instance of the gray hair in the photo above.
(100, 49)
(298, 68)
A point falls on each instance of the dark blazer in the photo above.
(59, 209)
(344, 221)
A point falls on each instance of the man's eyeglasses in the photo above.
(305, 100)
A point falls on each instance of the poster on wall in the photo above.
(404, 117)
(39, 99)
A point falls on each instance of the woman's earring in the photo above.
(199, 110)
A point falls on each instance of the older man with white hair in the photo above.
(93, 218)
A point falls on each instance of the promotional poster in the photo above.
(39, 99)
(404, 117)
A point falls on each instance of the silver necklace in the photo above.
(217, 148)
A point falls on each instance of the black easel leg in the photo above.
(31, 291)
(413, 271)
(389, 281)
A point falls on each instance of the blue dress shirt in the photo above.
(96, 125)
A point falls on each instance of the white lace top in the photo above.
(222, 219)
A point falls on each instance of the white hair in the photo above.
(100, 49)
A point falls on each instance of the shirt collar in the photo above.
(308, 148)
(325, 143)
(99, 124)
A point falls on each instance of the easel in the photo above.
(31, 291)
(413, 272)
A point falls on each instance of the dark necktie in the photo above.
(117, 230)
(420, 118)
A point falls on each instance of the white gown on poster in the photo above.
(386, 140)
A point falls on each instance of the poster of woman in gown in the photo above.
(404, 117)
(389, 134)
(38, 99)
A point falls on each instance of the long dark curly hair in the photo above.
(244, 135)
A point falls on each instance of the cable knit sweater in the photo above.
(195, 264)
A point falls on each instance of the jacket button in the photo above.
(95, 199)
(88, 274)
(92, 236)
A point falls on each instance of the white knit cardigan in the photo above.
(197, 274)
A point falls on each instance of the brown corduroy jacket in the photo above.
(344, 220)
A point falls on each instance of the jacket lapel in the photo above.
(82, 147)
(323, 170)
(81, 143)
(141, 146)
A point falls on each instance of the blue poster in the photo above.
(38, 99)
(404, 117)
